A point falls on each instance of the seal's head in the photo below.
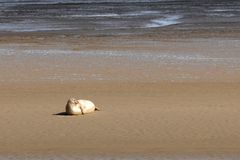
(72, 101)
(72, 107)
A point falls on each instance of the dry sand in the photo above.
(136, 118)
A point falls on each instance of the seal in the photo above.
(77, 107)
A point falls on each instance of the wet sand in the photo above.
(60, 58)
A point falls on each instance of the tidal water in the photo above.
(206, 59)
(117, 16)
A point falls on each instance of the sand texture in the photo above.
(157, 96)
(135, 118)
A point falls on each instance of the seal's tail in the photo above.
(97, 109)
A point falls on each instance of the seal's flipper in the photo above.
(81, 110)
(97, 109)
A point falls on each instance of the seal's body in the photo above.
(76, 107)
(86, 106)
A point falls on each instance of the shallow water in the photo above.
(116, 17)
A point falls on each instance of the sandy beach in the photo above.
(166, 75)
(136, 118)
(140, 116)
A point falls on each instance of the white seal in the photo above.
(76, 107)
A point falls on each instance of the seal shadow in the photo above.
(61, 114)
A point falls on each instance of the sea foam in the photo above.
(166, 21)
